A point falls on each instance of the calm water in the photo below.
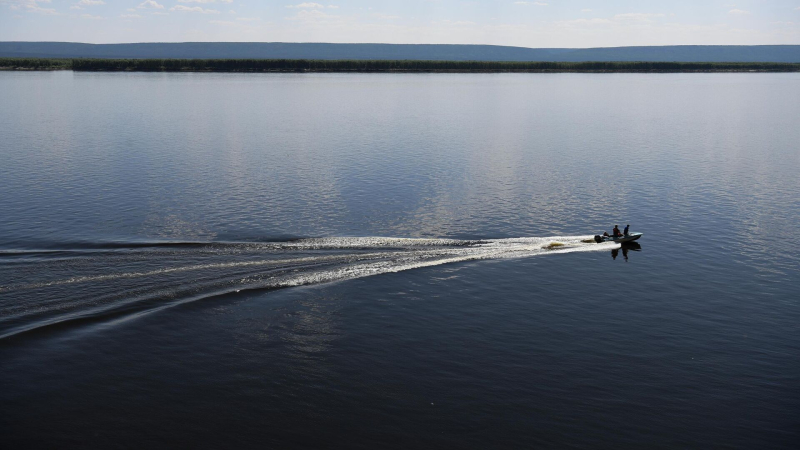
(365, 261)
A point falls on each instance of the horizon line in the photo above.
(408, 44)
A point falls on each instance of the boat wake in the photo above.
(42, 289)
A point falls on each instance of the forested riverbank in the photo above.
(308, 65)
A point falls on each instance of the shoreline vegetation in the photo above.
(313, 65)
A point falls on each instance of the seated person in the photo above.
(616, 231)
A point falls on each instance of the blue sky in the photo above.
(543, 23)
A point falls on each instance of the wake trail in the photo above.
(142, 279)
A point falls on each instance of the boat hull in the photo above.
(620, 240)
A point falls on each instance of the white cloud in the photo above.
(89, 16)
(319, 17)
(195, 9)
(458, 23)
(30, 6)
(312, 14)
(150, 4)
(18, 4)
(39, 10)
(738, 12)
(315, 20)
(637, 16)
(595, 21)
(205, 1)
(626, 19)
(531, 3)
(308, 5)
(84, 3)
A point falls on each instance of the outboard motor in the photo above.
(598, 238)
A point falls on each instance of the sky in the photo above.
(543, 23)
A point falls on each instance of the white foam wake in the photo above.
(405, 254)
(154, 278)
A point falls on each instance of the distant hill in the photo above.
(427, 52)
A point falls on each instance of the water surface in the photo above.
(361, 261)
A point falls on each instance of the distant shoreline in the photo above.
(378, 66)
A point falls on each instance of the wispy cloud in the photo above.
(574, 22)
(618, 19)
(529, 23)
(312, 14)
(311, 5)
(193, 9)
(84, 3)
(638, 16)
(382, 16)
(39, 10)
(31, 6)
(458, 23)
(150, 4)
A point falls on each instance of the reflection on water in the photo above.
(124, 193)
(248, 157)
(625, 247)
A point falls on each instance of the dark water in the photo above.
(366, 261)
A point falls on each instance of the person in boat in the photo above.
(625, 231)
(616, 233)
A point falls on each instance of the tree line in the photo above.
(35, 63)
(316, 65)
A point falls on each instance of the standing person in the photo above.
(627, 227)
(616, 232)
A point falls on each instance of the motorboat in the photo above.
(630, 237)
